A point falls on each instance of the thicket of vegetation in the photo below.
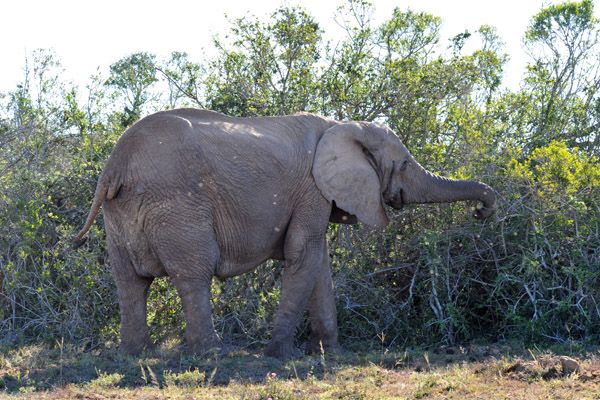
(531, 272)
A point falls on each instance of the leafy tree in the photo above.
(269, 68)
(564, 77)
(132, 77)
(185, 79)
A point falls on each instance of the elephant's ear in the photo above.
(344, 173)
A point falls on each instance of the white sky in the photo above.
(86, 35)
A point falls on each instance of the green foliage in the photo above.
(184, 79)
(270, 68)
(552, 260)
(563, 78)
(434, 275)
(131, 77)
(47, 290)
(574, 17)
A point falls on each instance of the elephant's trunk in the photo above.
(432, 188)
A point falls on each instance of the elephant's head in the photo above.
(362, 166)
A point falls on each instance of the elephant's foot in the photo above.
(277, 349)
(137, 347)
(317, 345)
(200, 346)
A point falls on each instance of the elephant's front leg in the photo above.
(323, 314)
(304, 257)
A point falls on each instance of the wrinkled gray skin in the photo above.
(192, 194)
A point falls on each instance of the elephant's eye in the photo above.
(403, 166)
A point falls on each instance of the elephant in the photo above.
(190, 194)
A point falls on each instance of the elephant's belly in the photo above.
(231, 264)
(228, 269)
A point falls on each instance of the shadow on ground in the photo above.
(69, 372)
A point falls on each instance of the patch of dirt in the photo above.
(472, 351)
(549, 367)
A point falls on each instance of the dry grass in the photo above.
(477, 372)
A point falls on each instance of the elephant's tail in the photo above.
(107, 188)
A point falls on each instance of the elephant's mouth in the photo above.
(397, 201)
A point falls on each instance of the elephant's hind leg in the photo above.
(132, 292)
(195, 297)
(190, 257)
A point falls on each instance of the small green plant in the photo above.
(106, 380)
(425, 386)
(191, 378)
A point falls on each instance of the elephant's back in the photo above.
(197, 145)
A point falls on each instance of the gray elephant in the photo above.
(191, 194)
